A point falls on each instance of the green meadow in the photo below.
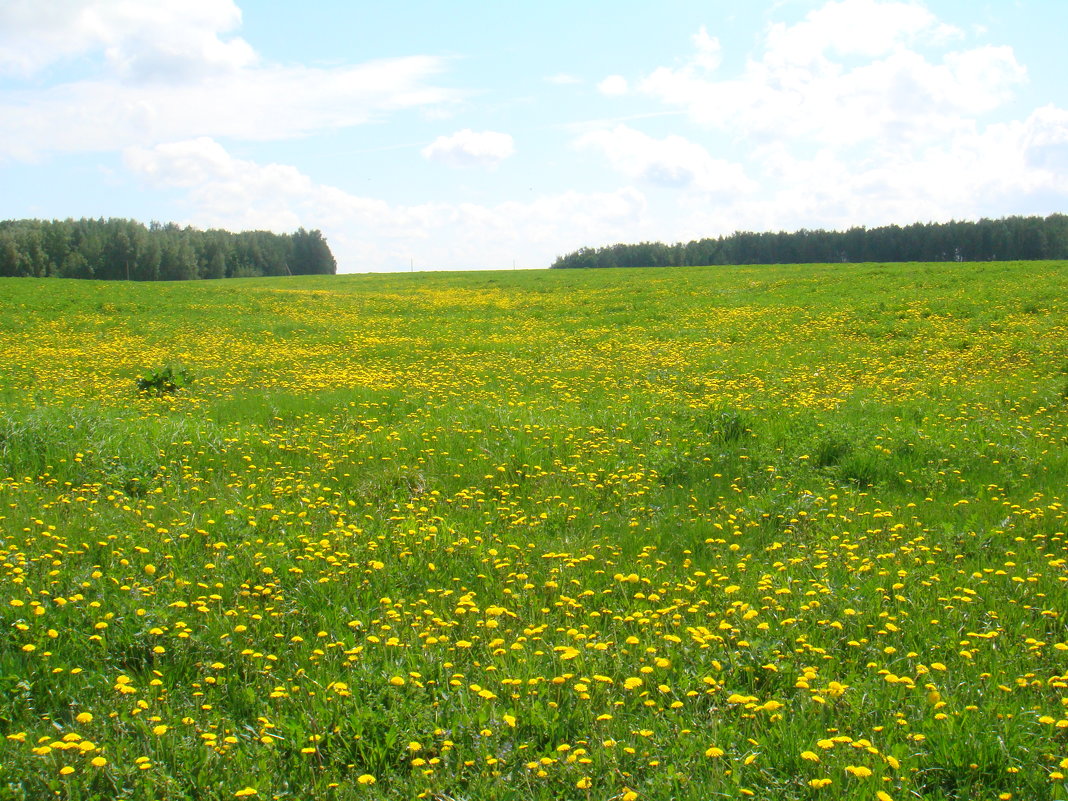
(779, 532)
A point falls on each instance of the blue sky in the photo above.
(476, 134)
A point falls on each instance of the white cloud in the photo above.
(863, 112)
(469, 148)
(167, 72)
(672, 161)
(1046, 143)
(849, 72)
(866, 28)
(163, 39)
(265, 103)
(563, 79)
(613, 86)
(1000, 170)
(709, 52)
(370, 234)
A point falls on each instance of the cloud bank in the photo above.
(369, 234)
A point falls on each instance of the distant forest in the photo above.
(126, 250)
(1008, 239)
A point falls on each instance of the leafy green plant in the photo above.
(165, 381)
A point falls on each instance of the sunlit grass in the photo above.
(779, 532)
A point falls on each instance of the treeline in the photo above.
(1008, 239)
(126, 250)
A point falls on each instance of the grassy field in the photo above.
(778, 532)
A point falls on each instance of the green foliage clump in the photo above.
(165, 381)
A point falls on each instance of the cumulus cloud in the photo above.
(1003, 169)
(167, 70)
(164, 39)
(469, 148)
(1046, 142)
(708, 51)
(849, 72)
(866, 28)
(862, 112)
(371, 234)
(672, 161)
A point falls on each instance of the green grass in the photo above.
(817, 510)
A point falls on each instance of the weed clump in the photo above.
(164, 381)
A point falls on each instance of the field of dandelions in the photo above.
(772, 532)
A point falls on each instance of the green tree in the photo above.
(311, 255)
